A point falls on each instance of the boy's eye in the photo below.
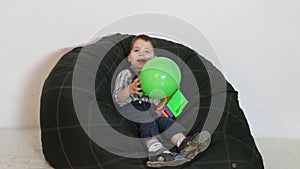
(135, 50)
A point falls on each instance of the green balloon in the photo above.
(160, 77)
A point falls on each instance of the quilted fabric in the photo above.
(66, 143)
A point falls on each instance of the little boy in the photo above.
(138, 107)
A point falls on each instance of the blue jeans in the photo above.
(158, 126)
(149, 124)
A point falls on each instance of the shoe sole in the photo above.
(158, 164)
(199, 143)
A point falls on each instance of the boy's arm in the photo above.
(124, 89)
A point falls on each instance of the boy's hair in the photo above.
(145, 38)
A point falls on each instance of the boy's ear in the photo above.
(129, 58)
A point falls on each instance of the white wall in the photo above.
(256, 42)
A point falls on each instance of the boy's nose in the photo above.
(141, 53)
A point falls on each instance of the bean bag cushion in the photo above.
(68, 136)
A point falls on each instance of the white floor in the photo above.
(21, 149)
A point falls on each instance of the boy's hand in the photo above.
(134, 87)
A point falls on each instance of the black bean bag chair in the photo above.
(77, 93)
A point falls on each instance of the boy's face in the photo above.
(141, 52)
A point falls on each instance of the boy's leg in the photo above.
(164, 157)
(169, 128)
(148, 130)
(189, 147)
(159, 156)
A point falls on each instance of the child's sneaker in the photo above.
(193, 145)
(164, 157)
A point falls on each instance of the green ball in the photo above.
(160, 77)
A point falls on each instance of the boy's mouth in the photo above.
(142, 60)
